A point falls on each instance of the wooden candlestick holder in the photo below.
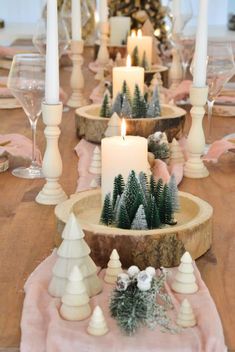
(194, 167)
(52, 192)
(103, 53)
(77, 80)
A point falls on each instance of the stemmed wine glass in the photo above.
(220, 69)
(186, 46)
(26, 80)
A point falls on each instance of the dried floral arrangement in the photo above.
(140, 204)
(126, 106)
(140, 299)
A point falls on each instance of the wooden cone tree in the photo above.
(74, 251)
(97, 325)
(185, 281)
(95, 167)
(114, 268)
(75, 301)
(114, 126)
(186, 317)
(177, 156)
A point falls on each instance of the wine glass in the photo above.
(26, 80)
(181, 13)
(186, 46)
(220, 69)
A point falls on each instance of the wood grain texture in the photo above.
(28, 230)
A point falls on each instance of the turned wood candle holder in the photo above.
(52, 192)
(103, 54)
(194, 167)
(77, 80)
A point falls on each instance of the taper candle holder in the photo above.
(52, 192)
(194, 167)
(103, 53)
(77, 80)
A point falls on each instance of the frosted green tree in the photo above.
(140, 222)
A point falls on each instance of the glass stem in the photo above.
(34, 127)
(210, 104)
(185, 66)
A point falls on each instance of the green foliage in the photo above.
(135, 60)
(105, 110)
(117, 105)
(139, 106)
(132, 190)
(154, 218)
(154, 109)
(126, 91)
(123, 218)
(107, 211)
(133, 308)
(118, 188)
(174, 194)
(166, 211)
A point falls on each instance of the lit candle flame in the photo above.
(157, 32)
(133, 33)
(139, 33)
(123, 129)
(128, 61)
(97, 17)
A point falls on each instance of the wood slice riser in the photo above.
(160, 247)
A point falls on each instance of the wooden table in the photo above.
(28, 229)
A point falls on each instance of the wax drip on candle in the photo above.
(123, 129)
(128, 61)
(139, 33)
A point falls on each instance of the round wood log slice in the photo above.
(159, 247)
(92, 127)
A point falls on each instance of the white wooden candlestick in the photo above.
(77, 80)
(52, 192)
(103, 54)
(194, 167)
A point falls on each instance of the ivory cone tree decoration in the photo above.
(114, 268)
(75, 301)
(95, 167)
(103, 54)
(176, 71)
(114, 126)
(185, 281)
(177, 156)
(186, 317)
(97, 325)
(94, 184)
(74, 251)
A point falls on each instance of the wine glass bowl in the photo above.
(26, 81)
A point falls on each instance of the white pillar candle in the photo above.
(119, 29)
(200, 56)
(143, 43)
(52, 57)
(131, 74)
(121, 155)
(103, 11)
(76, 20)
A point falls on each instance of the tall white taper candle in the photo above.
(52, 57)
(103, 11)
(200, 56)
(76, 20)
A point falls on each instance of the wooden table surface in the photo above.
(28, 229)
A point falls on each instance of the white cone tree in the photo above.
(140, 222)
(75, 301)
(114, 268)
(74, 251)
(114, 126)
(185, 281)
(186, 317)
(95, 167)
(97, 325)
(177, 156)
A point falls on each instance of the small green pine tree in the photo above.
(107, 211)
(139, 105)
(126, 110)
(159, 192)
(167, 211)
(105, 110)
(174, 194)
(118, 188)
(123, 218)
(117, 105)
(126, 91)
(135, 206)
(135, 61)
(144, 62)
(131, 191)
(154, 109)
(152, 185)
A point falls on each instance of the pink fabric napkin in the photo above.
(18, 146)
(181, 92)
(8, 51)
(43, 330)
(217, 149)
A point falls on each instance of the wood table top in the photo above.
(28, 229)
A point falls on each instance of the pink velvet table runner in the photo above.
(43, 330)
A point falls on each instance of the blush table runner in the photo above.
(43, 329)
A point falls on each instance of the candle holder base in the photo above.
(194, 167)
(52, 193)
(77, 80)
